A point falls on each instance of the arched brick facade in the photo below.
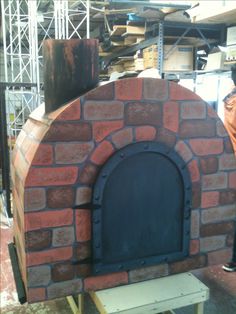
(56, 162)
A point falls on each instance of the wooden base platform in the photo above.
(161, 295)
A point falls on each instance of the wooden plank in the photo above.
(137, 30)
(153, 296)
(118, 30)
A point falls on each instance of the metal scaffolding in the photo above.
(26, 24)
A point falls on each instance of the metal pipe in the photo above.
(154, 3)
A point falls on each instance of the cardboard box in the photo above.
(215, 61)
(231, 53)
(180, 59)
(231, 36)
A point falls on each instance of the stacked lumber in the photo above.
(150, 55)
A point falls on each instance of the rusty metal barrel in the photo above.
(70, 70)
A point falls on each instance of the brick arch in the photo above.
(56, 162)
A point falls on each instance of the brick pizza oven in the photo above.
(134, 180)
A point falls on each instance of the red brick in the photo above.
(194, 247)
(88, 174)
(82, 251)
(104, 92)
(194, 171)
(196, 195)
(51, 176)
(184, 151)
(220, 129)
(102, 153)
(38, 240)
(232, 180)
(166, 137)
(31, 152)
(60, 197)
(171, 116)
(83, 225)
(228, 147)
(197, 128)
(210, 199)
(214, 181)
(83, 270)
(143, 113)
(145, 133)
(103, 110)
(227, 162)
(36, 295)
(211, 112)
(193, 110)
(129, 89)
(219, 257)
(190, 263)
(43, 155)
(63, 271)
(48, 256)
(202, 147)
(104, 128)
(216, 229)
(178, 92)
(122, 137)
(64, 132)
(105, 281)
(70, 112)
(227, 197)
(46, 219)
(209, 165)
(34, 199)
(155, 89)
(72, 153)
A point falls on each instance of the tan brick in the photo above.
(149, 272)
(214, 181)
(105, 281)
(38, 275)
(65, 288)
(195, 223)
(72, 153)
(212, 243)
(184, 151)
(193, 110)
(63, 236)
(34, 199)
(227, 162)
(83, 195)
(103, 110)
(218, 214)
(123, 138)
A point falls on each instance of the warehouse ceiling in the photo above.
(105, 14)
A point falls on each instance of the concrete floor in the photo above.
(222, 287)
